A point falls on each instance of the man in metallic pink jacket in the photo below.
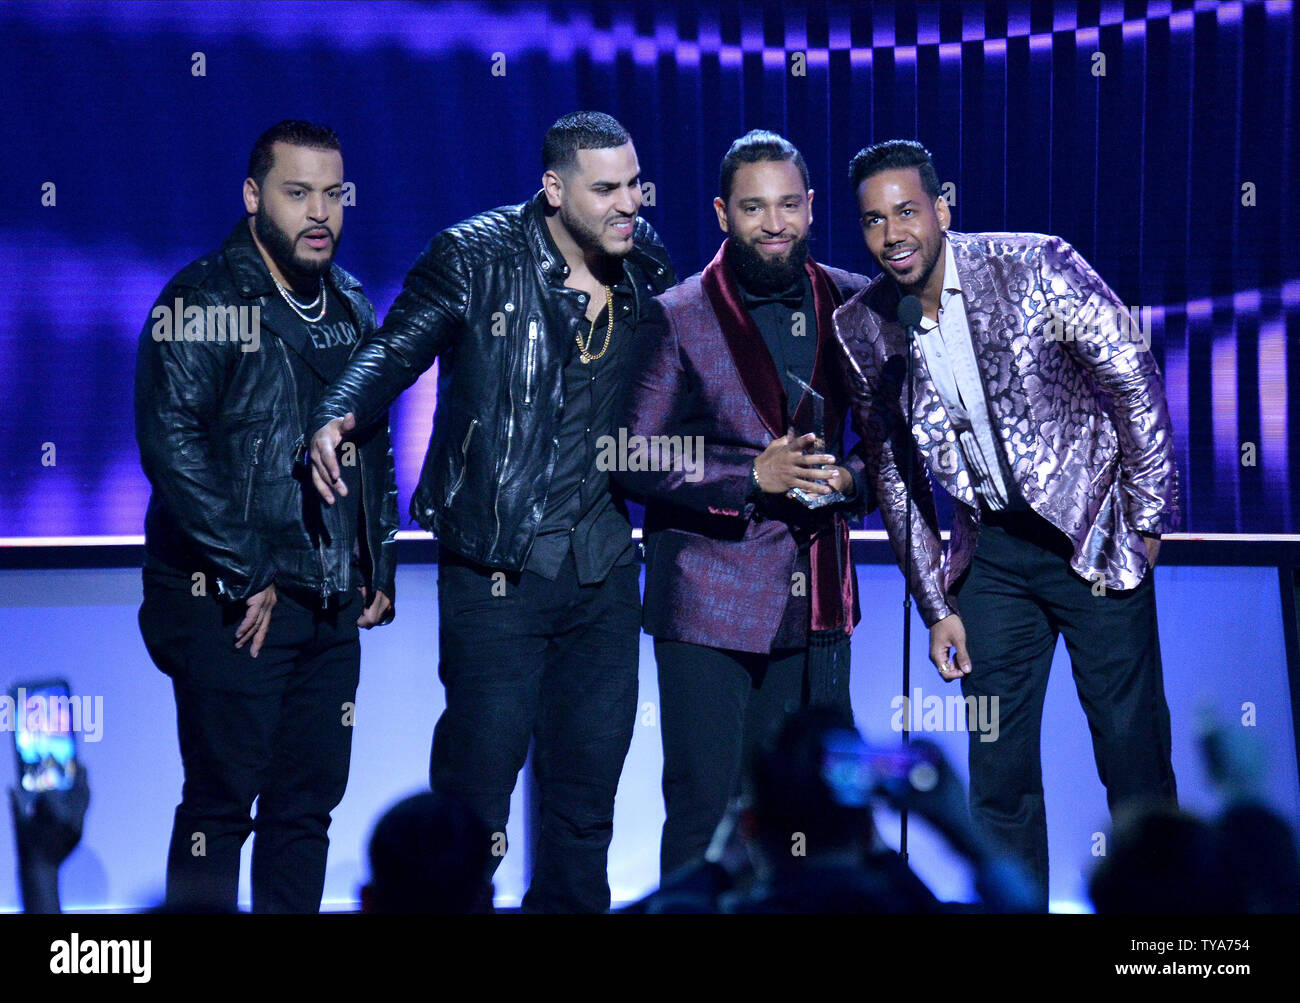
(1038, 407)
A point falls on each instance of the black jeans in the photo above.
(717, 709)
(523, 657)
(274, 728)
(1018, 596)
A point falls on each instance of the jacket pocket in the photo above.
(464, 462)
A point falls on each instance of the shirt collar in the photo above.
(951, 280)
(951, 283)
(561, 270)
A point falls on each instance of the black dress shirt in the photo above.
(581, 513)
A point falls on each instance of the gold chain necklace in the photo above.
(584, 351)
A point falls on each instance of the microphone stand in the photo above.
(907, 568)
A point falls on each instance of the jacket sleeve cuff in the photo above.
(932, 613)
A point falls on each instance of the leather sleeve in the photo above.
(422, 323)
(649, 242)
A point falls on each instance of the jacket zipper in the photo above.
(505, 466)
(510, 424)
(252, 472)
(464, 461)
(530, 361)
(297, 418)
(361, 470)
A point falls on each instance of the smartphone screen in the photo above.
(44, 737)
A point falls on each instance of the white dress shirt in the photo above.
(950, 356)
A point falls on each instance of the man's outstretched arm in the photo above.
(422, 323)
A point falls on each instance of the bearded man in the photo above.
(750, 591)
(252, 592)
(530, 309)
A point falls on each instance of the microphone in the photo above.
(909, 312)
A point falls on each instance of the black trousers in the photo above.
(1018, 596)
(717, 709)
(273, 728)
(526, 658)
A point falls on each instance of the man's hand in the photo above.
(377, 607)
(257, 621)
(841, 480)
(324, 465)
(1153, 549)
(783, 465)
(47, 824)
(946, 634)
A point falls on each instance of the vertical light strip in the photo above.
(1223, 409)
(1273, 416)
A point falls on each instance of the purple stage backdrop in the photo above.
(1155, 136)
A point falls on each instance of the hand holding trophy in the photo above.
(810, 416)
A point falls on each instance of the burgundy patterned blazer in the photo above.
(718, 571)
(1075, 397)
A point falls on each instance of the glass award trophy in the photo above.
(810, 416)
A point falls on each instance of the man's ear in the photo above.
(941, 210)
(720, 208)
(553, 185)
(811, 193)
(252, 196)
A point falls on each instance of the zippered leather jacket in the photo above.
(219, 419)
(487, 298)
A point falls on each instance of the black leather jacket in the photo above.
(487, 297)
(220, 429)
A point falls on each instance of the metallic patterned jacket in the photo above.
(1075, 399)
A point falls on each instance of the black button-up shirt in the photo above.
(792, 343)
(581, 513)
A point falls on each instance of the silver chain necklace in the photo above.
(301, 308)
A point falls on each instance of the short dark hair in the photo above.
(791, 788)
(293, 132)
(428, 854)
(894, 154)
(758, 145)
(580, 130)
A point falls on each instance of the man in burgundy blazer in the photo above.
(750, 594)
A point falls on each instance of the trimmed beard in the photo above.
(927, 269)
(765, 275)
(281, 248)
(587, 238)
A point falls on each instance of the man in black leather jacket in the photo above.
(530, 309)
(253, 591)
